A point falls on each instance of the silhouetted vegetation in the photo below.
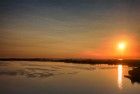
(134, 75)
(81, 61)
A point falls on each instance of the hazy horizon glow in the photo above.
(69, 28)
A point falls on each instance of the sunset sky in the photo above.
(69, 28)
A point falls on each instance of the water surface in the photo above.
(23, 77)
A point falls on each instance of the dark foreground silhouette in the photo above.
(134, 75)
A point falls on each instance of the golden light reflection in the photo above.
(120, 73)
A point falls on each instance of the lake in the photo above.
(34, 77)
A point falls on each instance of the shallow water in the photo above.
(22, 77)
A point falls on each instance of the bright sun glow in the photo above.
(121, 45)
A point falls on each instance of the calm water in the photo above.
(20, 77)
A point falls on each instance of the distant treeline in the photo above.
(81, 61)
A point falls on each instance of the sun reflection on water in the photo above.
(120, 73)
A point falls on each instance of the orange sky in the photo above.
(69, 29)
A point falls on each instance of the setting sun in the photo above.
(122, 46)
